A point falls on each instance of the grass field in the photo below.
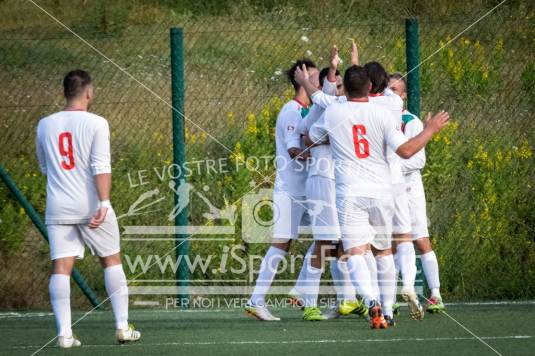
(510, 329)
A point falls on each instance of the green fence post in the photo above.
(412, 46)
(179, 158)
(38, 222)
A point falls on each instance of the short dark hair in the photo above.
(323, 74)
(299, 63)
(75, 82)
(378, 76)
(356, 82)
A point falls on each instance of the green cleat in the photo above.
(396, 308)
(313, 314)
(435, 305)
(349, 307)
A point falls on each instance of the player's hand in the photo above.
(301, 75)
(436, 122)
(335, 58)
(98, 218)
(354, 53)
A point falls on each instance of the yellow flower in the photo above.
(193, 138)
(202, 137)
(251, 124)
(499, 45)
(524, 151)
(230, 118)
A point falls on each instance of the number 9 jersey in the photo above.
(72, 147)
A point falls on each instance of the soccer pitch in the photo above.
(508, 328)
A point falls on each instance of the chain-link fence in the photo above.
(479, 175)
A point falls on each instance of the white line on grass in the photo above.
(293, 342)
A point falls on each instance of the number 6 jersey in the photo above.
(359, 133)
(72, 147)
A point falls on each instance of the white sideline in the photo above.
(291, 342)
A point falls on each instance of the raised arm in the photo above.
(354, 53)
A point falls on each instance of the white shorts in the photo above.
(321, 203)
(417, 208)
(70, 240)
(364, 221)
(289, 214)
(401, 223)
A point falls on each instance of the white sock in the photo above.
(115, 281)
(372, 267)
(342, 281)
(386, 272)
(268, 269)
(312, 285)
(430, 267)
(407, 264)
(300, 284)
(59, 288)
(350, 293)
(360, 276)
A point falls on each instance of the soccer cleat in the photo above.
(356, 306)
(129, 335)
(396, 308)
(260, 313)
(294, 299)
(435, 305)
(65, 342)
(333, 313)
(416, 311)
(390, 321)
(377, 320)
(313, 314)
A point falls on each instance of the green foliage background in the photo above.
(480, 171)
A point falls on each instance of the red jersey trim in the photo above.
(300, 103)
(375, 94)
(359, 100)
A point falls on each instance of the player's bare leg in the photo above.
(430, 267)
(60, 298)
(268, 268)
(406, 256)
(117, 289)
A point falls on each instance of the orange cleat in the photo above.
(377, 320)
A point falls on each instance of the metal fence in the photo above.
(479, 176)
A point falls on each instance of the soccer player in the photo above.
(321, 200)
(401, 226)
(358, 133)
(412, 126)
(289, 191)
(73, 151)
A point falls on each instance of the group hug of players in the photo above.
(348, 164)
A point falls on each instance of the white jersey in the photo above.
(72, 147)
(321, 162)
(411, 167)
(392, 102)
(359, 134)
(291, 173)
